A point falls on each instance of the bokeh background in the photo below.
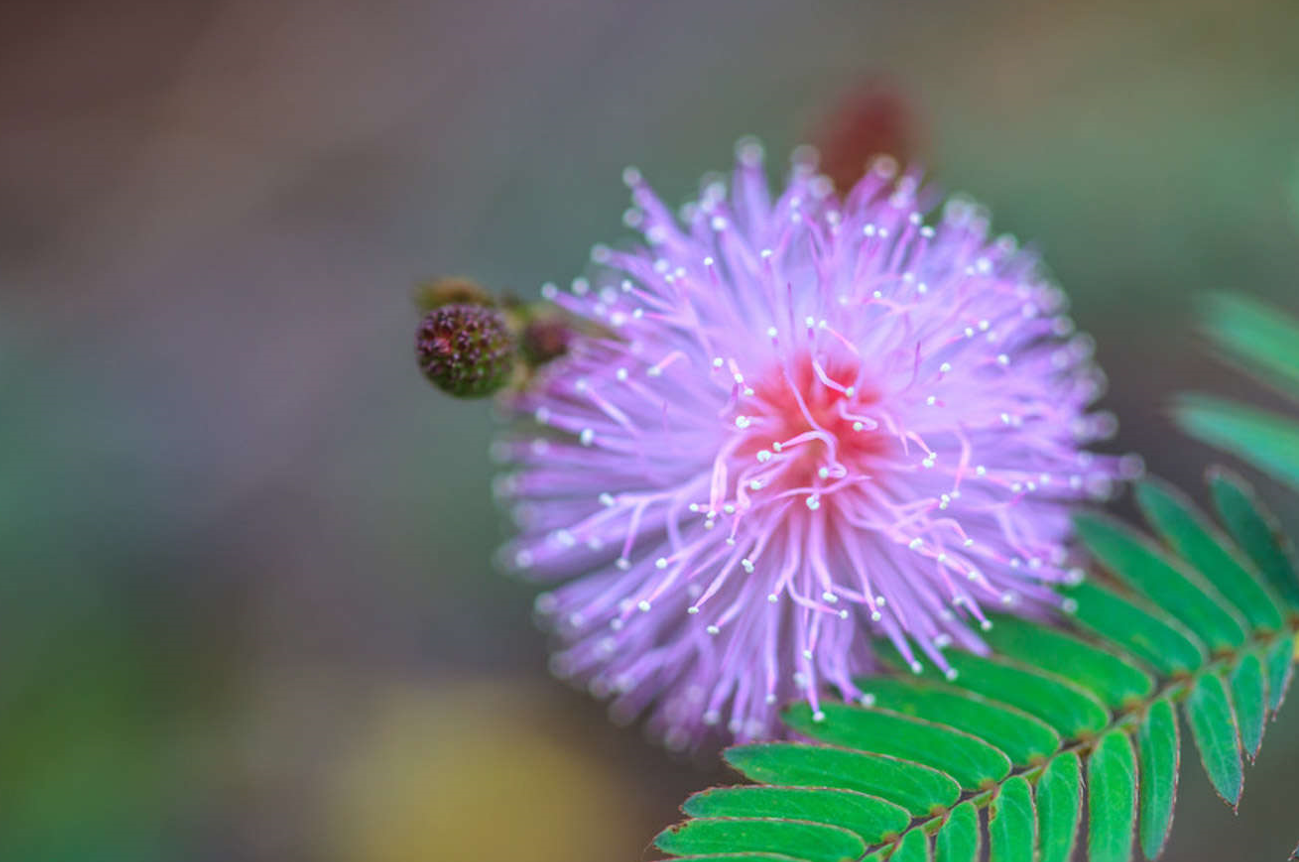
(247, 610)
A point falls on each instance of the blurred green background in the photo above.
(247, 610)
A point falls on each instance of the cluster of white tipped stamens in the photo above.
(812, 422)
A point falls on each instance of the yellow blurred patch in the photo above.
(474, 772)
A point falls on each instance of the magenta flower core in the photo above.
(810, 422)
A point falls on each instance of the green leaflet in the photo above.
(1261, 336)
(870, 817)
(1114, 681)
(1169, 585)
(1012, 823)
(1189, 533)
(812, 842)
(1249, 698)
(1280, 670)
(959, 839)
(914, 848)
(1213, 727)
(968, 759)
(1158, 750)
(1023, 738)
(918, 789)
(1067, 708)
(1111, 799)
(1255, 532)
(1267, 440)
(1059, 800)
(1148, 635)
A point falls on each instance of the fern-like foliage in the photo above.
(1059, 721)
(1264, 342)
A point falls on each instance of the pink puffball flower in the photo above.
(797, 424)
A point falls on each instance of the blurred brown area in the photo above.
(873, 118)
(248, 610)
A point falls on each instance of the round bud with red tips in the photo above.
(466, 350)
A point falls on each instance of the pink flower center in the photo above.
(810, 424)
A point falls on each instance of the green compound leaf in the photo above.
(1111, 799)
(1024, 739)
(870, 817)
(918, 789)
(1146, 634)
(1059, 801)
(1189, 533)
(1164, 581)
(1267, 440)
(959, 839)
(1249, 697)
(1012, 822)
(968, 759)
(812, 842)
(1158, 750)
(1213, 727)
(1114, 681)
(1256, 532)
(903, 775)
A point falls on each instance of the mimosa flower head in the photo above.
(797, 423)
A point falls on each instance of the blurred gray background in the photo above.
(246, 605)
